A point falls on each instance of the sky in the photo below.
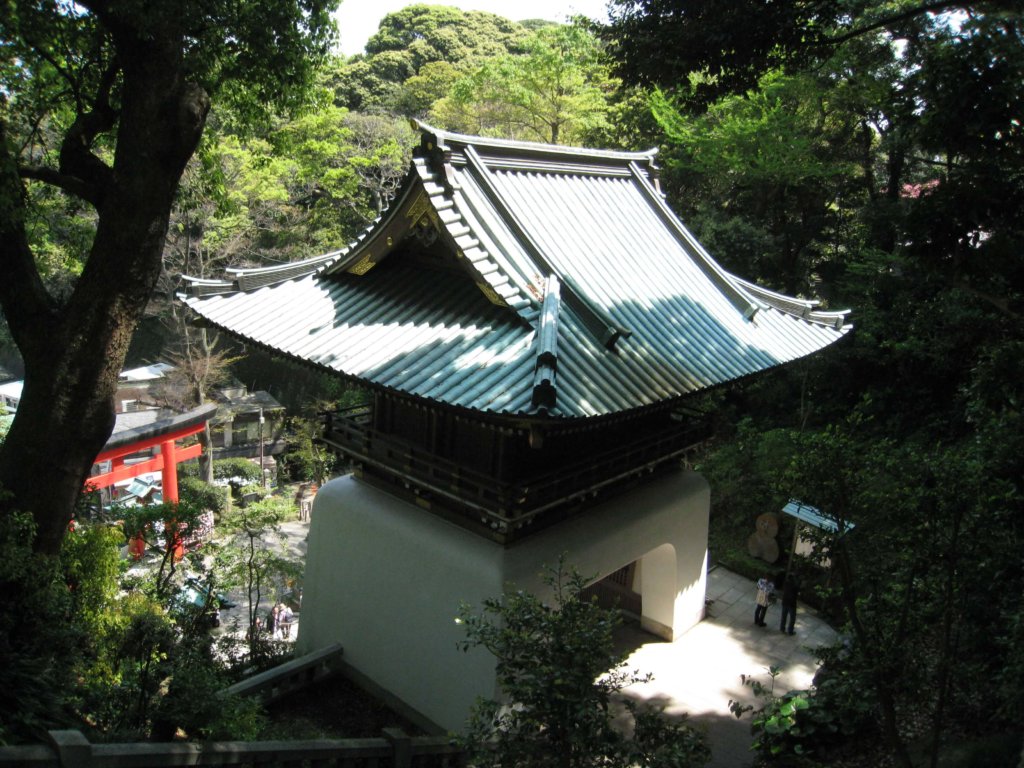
(358, 19)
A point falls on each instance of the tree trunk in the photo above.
(74, 352)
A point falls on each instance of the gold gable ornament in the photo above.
(362, 266)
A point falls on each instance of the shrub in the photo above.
(225, 469)
(558, 667)
(203, 495)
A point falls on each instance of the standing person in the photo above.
(272, 628)
(285, 620)
(790, 592)
(765, 590)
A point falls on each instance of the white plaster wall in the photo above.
(385, 579)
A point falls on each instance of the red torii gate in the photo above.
(162, 434)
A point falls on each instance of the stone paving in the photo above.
(700, 672)
(293, 544)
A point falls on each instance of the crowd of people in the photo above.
(278, 624)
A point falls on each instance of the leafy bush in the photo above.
(188, 469)
(252, 492)
(35, 637)
(225, 469)
(800, 728)
(558, 669)
(202, 495)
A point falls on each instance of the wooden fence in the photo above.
(70, 749)
(394, 749)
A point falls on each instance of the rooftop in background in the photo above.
(146, 373)
(813, 516)
(10, 393)
(525, 280)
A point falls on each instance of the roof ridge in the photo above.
(443, 137)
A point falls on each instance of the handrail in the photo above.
(71, 749)
(290, 676)
(506, 504)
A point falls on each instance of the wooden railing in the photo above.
(70, 749)
(506, 506)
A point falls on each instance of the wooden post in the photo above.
(169, 476)
(169, 471)
(401, 747)
(73, 749)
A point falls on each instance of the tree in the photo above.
(556, 91)
(126, 90)
(912, 225)
(727, 47)
(558, 671)
(782, 155)
(345, 167)
(407, 42)
(246, 560)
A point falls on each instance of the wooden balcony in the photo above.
(501, 509)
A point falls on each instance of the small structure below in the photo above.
(805, 516)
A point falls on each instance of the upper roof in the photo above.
(522, 279)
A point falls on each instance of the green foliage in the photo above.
(252, 558)
(145, 663)
(765, 176)
(225, 469)
(856, 179)
(253, 489)
(558, 671)
(35, 637)
(196, 704)
(412, 43)
(794, 729)
(92, 565)
(778, 132)
(556, 91)
(306, 459)
(715, 50)
(200, 494)
(166, 529)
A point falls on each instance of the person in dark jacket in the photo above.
(765, 594)
(790, 592)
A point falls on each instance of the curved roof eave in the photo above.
(653, 318)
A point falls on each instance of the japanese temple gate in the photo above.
(531, 323)
(162, 435)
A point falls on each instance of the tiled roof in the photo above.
(522, 279)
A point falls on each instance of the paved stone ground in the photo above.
(700, 672)
(295, 533)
